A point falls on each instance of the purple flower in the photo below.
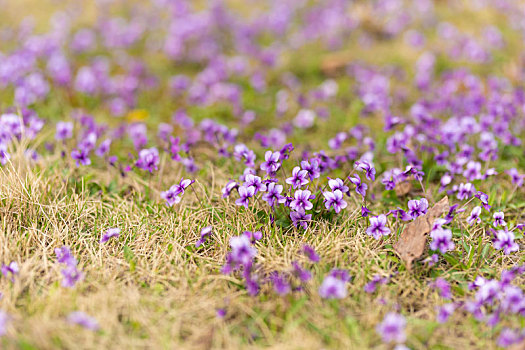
(71, 275)
(205, 233)
(505, 240)
(301, 201)
(333, 288)
(300, 218)
(298, 178)
(311, 253)
(280, 284)
(242, 251)
(171, 196)
(371, 286)
(245, 193)
(443, 287)
(228, 188)
(110, 233)
(221, 313)
(337, 184)
(9, 271)
(64, 256)
(444, 312)
(474, 216)
(273, 194)
(240, 152)
(251, 180)
(360, 187)
(253, 236)
(4, 321)
(441, 240)
(312, 168)
(364, 211)
(392, 329)
(303, 274)
(484, 198)
(370, 171)
(81, 157)
(378, 227)
(83, 320)
(335, 200)
(499, 219)
(271, 163)
(417, 207)
(148, 159)
(465, 191)
(64, 130)
(508, 337)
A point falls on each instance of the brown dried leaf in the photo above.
(404, 187)
(413, 239)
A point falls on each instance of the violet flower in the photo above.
(377, 227)
(417, 207)
(205, 233)
(298, 178)
(301, 201)
(499, 219)
(148, 159)
(505, 240)
(441, 240)
(474, 216)
(335, 200)
(392, 328)
(110, 233)
(83, 320)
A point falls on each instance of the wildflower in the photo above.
(337, 184)
(364, 211)
(81, 157)
(303, 274)
(311, 253)
(371, 286)
(298, 178)
(221, 313)
(4, 320)
(273, 194)
(465, 191)
(443, 287)
(499, 219)
(205, 233)
(417, 207)
(71, 275)
(360, 187)
(484, 198)
(368, 168)
(444, 312)
(170, 196)
(83, 320)
(253, 236)
(9, 271)
(300, 218)
(103, 148)
(392, 329)
(335, 200)
(474, 216)
(245, 193)
(251, 180)
(333, 288)
(508, 337)
(301, 201)
(228, 188)
(441, 240)
(505, 240)
(378, 227)
(110, 233)
(64, 256)
(148, 159)
(311, 168)
(271, 163)
(280, 284)
(240, 152)
(64, 130)
(242, 251)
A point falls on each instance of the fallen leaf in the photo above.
(413, 239)
(404, 187)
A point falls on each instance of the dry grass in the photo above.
(150, 290)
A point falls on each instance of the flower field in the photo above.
(282, 174)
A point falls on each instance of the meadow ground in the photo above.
(152, 288)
